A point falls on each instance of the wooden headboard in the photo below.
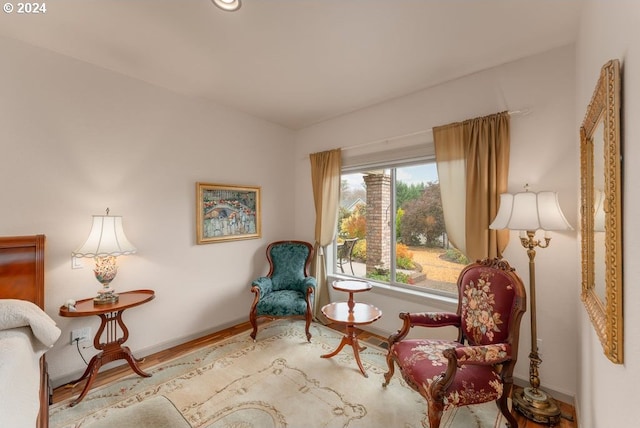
(22, 268)
(22, 277)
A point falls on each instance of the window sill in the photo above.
(430, 298)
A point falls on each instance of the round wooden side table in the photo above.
(351, 286)
(351, 314)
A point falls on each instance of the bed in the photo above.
(26, 333)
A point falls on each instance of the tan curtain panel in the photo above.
(325, 180)
(473, 169)
(451, 163)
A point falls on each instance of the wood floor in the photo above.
(67, 391)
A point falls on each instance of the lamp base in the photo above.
(105, 298)
(537, 406)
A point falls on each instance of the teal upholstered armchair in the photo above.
(287, 290)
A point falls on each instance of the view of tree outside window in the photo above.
(391, 229)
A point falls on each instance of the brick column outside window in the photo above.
(378, 218)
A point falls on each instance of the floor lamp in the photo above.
(528, 212)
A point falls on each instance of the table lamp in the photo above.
(106, 241)
(528, 212)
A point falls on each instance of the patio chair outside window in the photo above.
(345, 253)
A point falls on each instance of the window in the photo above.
(391, 228)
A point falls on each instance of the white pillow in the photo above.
(22, 313)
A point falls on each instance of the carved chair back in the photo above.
(288, 263)
(491, 302)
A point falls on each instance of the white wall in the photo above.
(77, 139)
(544, 153)
(607, 393)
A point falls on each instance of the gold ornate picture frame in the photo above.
(601, 212)
(227, 213)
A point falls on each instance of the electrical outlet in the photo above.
(76, 263)
(82, 334)
(539, 344)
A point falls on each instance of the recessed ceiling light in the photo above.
(228, 5)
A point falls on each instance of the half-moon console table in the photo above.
(111, 349)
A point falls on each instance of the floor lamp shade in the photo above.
(530, 211)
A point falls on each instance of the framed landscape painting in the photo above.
(227, 213)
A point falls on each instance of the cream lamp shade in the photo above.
(106, 238)
(530, 211)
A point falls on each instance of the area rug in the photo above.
(278, 381)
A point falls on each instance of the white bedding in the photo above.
(26, 333)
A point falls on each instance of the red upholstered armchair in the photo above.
(477, 367)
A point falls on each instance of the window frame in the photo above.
(393, 284)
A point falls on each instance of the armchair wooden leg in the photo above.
(253, 311)
(307, 324)
(254, 324)
(503, 405)
(434, 411)
(309, 313)
(389, 374)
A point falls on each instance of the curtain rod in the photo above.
(522, 112)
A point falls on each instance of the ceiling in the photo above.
(297, 62)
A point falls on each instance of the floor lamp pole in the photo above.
(531, 401)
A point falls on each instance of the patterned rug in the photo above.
(278, 381)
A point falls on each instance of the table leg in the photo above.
(90, 373)
(351, 303)
(344, 341)
(350, 338)
(133, 362)
(111, 351)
